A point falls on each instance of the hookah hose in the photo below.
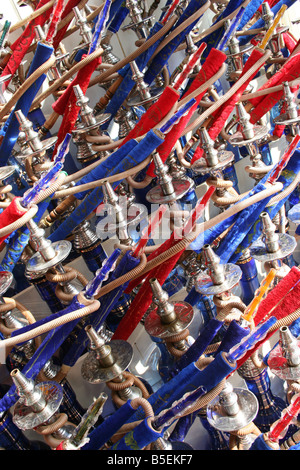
(11, 127)
(22, 44)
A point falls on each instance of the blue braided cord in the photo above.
(44, 352)
(92, 200)
(42, 54)
(163, 56)
(260, 23)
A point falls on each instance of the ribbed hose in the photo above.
(47, 430)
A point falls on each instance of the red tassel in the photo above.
(154, 114)
(10, 214)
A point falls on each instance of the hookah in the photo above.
(36, 159)
(38, 409)
(218, 280)
(46, 263)
(108, 363)
(235, 55)
(142, 95)
(120, 215)
(233, 412)
(212, 163)
(275, 40)
(167, 324)
(271, 247)
(249, 136)
(138, 23)
(290, 117)
(88, 245)
(89, 125)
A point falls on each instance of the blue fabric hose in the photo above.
(11, 127)
(92, 200)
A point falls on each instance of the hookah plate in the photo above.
(6, 172)
(6, 279)
(237, 139)
(205, 286)
(248, 405)
(184, 316)
(25, 418)
(46, 144)
(294, 214)
(279, 366)
(37, 263)
(93, 372)
(284, 119)
(100, 119)
(156, 195)
(287, 245)
(224, 157)
(136, 212)
(136, 99)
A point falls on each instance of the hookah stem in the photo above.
(270, 31)
(231, 30)
(286, 157)
(287, 416)
(256, 301)
(189, 66)
(179, 408)
(154, 222)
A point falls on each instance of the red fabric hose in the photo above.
(212, 64)
(24, 41)
(222, 114)
(66, 103)
(10, 214)
(154, 114)
(60, 34)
